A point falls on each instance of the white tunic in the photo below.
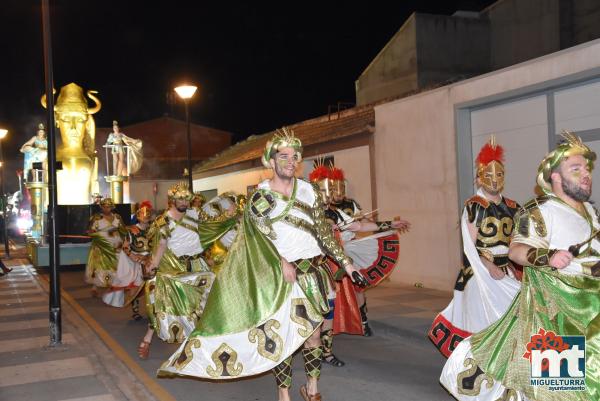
(107, 229)
(182, 240)
(564, 227)
(293, 243)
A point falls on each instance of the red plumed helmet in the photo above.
(146, 203)
(336, 174)
(319, 173)
(490, 152)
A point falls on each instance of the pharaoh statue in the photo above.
(77, 128)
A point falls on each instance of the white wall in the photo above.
(141, 190)
(578, 108)
(521, 127)
(416, 163)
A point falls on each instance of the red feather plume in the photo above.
(146, 203)
(319, 173)
(336, 174)
(489, 153)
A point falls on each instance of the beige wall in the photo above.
(142, 190)
(416, 163)
(354, 162)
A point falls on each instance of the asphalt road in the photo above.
(398, 363)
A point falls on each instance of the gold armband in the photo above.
(540, 256)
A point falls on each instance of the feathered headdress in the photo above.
(336, 174)
(321, 171)
(490, 152)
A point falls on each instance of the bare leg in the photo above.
(362, 305)
(360, 298)
(144, 347)
(121, 164)
(283, 394)
(115, 164)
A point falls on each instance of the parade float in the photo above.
(77, 176)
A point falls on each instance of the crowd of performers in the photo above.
(243, 283)
(529, 277)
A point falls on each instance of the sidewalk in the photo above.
(82, 369)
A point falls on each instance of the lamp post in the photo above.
(186, 92)
(3, 133)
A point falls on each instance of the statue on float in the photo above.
(35, 151)
(75, 120)
(126, 152)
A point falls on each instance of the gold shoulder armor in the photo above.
(531, 214)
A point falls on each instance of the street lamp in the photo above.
(186, 92)
(3, 133)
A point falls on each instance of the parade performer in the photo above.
(277, 267)
(128, 279)
(197, 201)
(35, 151)
(176, 295)
(107, 230)
(556, 239)
(379, 251)
(486, 283)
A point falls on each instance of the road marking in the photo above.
(23, 311)
(24, 325)
(18, 292)
(103, 397)
(44, 371)
(23, 344)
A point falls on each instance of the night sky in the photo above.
(258, 67)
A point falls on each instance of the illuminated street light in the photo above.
(186, 92)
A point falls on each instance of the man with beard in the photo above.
(277, 268)
(486, 283)
(555, 239)
(176, 295)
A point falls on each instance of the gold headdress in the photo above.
(198, 196)
(283, 138)
(71, 99)
(179, 191)
(571, 146)
(41, 127)
(115, 123)
(107, 202)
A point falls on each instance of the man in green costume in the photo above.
(176, 295)
(271, 293)
(555, 238)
